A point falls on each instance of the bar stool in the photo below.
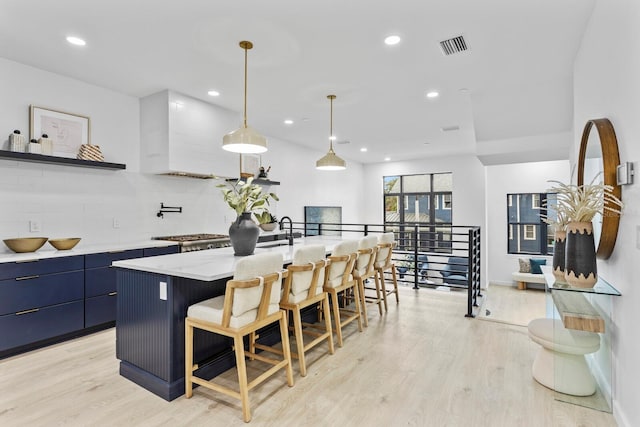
(251, 302)
(364, 270)
(304, 288)
(340, 280)
(386, 243)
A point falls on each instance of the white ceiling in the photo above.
(514, 82)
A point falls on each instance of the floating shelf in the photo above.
(54, 160)
(258, 181)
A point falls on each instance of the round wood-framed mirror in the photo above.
(599, 154)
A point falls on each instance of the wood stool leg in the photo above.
(242, 377)
(381, 288)
(188, 359)
(327, 322)
(286, 350)
(363, 303)
(336, 316)
(395, 282)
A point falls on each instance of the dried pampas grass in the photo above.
(580, 203)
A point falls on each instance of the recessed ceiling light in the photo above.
(76, 41)
(391, 40)
(386, 159)
(213, 93)
(288, 122)
(433, 94)
(363, 149)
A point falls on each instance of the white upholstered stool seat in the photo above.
(340, 280)
(560, 363)
(303, 288)
(251, 302)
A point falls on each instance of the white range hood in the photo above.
(182, 136)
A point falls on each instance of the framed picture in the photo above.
(325, 220)
(249, 165)
(66, 131)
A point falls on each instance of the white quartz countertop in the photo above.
(48, 251)
(213, 264)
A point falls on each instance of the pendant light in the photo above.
(245, 139)
(331, 162)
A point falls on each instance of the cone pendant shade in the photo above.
(245, 139)
(331, 162)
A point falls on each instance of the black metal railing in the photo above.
(426, 255)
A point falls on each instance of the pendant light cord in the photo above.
(245, 86)
(331, 98)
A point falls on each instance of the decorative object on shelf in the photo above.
(33, 147)
(264, 173)
(558, 221)
(245, 139)
(46, 145)
(245, 198)
(559, 249)
(249, 165)
(64, 244)
(168, 209)
(331, 162)
(67, 131)
(578, 204)
(25, 244)
(90, 152)
(17, 142)
(267, 221)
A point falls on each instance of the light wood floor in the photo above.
(421, 364)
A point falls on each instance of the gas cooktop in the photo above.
(192, 237)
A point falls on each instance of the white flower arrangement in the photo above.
(580, 203)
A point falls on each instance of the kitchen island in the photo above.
(153, 297)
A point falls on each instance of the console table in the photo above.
(586, 309)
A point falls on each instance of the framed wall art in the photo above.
(66, 131)
(249, 165)
(329, 216)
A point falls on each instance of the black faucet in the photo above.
(289, 235)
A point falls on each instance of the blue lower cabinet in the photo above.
(165, 250)
(35, 325)
(100, 310)
(29, 292)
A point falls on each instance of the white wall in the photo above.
(70, 201)
(606, 84)
(500, 181)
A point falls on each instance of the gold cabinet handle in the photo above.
(35, 276)
(33, 310)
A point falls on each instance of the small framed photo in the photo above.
(249, 165)
(66, 131)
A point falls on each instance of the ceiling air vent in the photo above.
(450, 128)
(454, 45)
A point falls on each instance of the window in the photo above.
(424, 200)
(527, 231)
(535, 201)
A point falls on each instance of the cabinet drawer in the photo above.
(99, 281)
(11, 270)
(106, 258)
(49, 322)
(40, 291)
(99, 310)
(174, 249)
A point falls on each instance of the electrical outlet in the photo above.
(34, 226)
(116, 223)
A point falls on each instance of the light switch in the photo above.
(163, 291)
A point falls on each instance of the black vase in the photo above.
(559, 254)
(580, 255)
(243, 234)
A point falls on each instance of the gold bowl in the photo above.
(25, 244)
(64, 244)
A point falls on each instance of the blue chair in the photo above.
(456, 271)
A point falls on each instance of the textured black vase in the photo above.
(580, 255)
(559, 254)
(243, 234)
